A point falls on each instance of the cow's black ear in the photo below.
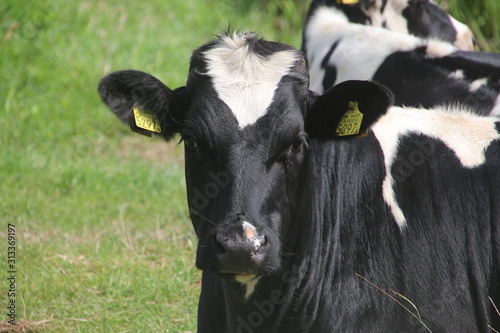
(347, 110)
(144, 103)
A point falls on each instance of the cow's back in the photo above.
(437, 260)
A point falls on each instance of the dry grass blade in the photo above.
(416, 316)
(414, 306)
(494, 306)
(22, 326)
(498, 313)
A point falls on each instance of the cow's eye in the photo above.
(190, 143)
(291, 151)
(296, 144)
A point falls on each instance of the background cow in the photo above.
(307, 221)
(422, 18)
(419, 72)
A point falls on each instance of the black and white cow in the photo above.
(312, 226)
(419, 72)
(422, 18)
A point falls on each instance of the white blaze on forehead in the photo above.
(467, 135)
(244, 80)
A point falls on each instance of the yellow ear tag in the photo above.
(146, 121)
(350, 124)
(347, 2)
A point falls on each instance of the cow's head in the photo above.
(245, 117)
(424, 18)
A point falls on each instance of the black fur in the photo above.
(419, 81)
(426, 19)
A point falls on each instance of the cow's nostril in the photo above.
(221, 244)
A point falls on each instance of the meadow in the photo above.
(103, 241)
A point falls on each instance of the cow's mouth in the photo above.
(236, 252)
(240, 277)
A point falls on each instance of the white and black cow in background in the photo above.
(420, 72)
(422, 18)
(311, 220)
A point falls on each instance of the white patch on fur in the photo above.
(476, 84)
(466, 134)
(250, 233)
(245, 81)
(374, 13)
(439, 49)
(249, 230)
(465, 38)
(458, 74)
(250, 281)
(495, 112)
(361, 49)
(393, 16)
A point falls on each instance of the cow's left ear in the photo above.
(347, 110)
(144, 103)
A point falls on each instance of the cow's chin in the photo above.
(250, 275)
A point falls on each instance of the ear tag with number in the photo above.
(146, 121)
(350, 123)
(348, 2)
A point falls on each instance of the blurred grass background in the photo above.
(483, 17)
(103, 235)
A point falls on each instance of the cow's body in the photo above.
(305, 229)
(420, 73)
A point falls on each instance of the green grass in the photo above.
(481, 17)
(104, 242)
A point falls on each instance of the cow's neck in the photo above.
(263, 310)
(277, 303)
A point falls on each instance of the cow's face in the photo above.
(243, 117)
(424, 18)
(243, 138)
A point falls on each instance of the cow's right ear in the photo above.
(144, 103)
(347, 109)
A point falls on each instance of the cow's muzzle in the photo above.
(239, 248)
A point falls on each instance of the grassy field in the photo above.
(103, 239)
